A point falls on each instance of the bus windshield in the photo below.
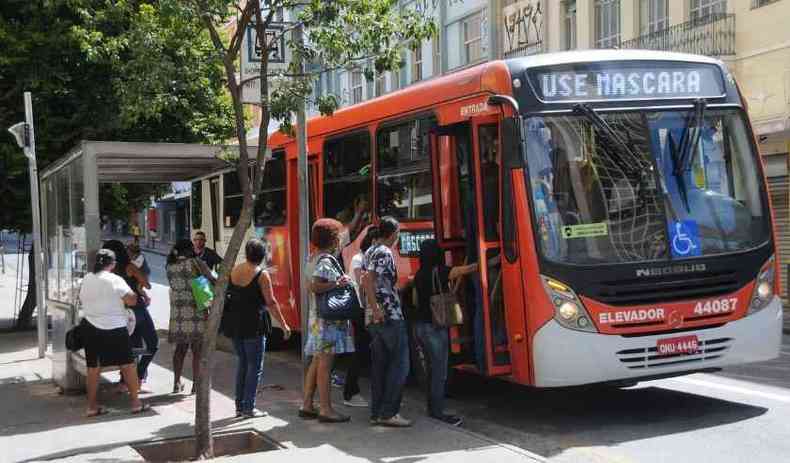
(613, 187)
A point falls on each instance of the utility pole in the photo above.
(302, 175)
(26, 139)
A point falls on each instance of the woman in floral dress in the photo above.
(325, 338)
(186, 324)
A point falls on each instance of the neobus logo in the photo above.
(670, 270)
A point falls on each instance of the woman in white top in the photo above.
(103, 295)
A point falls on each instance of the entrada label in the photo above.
(628, 316)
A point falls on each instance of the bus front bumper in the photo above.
(564, 357)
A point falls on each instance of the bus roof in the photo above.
(587, 56)
(491, 77)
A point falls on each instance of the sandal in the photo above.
(141, 409)
(98, 412)
(308, 414)
(334, 419)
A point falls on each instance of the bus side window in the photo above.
(196, 204)
(270, 208)
(347, 179)
(489, 170)
(405, 184)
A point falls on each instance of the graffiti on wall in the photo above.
(523, 27)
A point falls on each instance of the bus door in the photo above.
(457, 224)
(487, 166)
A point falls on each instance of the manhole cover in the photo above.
(229, 443)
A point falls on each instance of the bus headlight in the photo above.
(763, 291)
(568, 309)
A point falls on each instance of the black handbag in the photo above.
(340, 303)
(75, 338)
(229, 322)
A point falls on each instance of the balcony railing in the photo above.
(712, 35)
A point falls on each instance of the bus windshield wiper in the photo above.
(623, 148)
(688, 146)
(690, 141)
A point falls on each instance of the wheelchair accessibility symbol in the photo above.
(684, 239)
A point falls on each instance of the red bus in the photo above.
(622, 191)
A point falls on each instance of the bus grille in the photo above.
(665, 289)
(647, 357)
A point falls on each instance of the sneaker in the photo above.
(396, 421)
(356, 401)
(452, 420)
(254, 413)
(337, 380)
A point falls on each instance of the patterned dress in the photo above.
(325, 336)
(186, 326)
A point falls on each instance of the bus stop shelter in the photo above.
(71, 221)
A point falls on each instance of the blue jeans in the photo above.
(389, 349)
(249, 371)
(144, 330)
(435, 344)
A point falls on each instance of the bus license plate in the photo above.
(679, 345)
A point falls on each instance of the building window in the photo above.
(472, 39)
(356, 87)
(607, 23)
(701, 9)
(653, 16)
(759, 3)
(404, 182)
(381, 84)
(569, 23)
(437, 56)
(416, 64)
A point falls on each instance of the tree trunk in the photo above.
(24, 319)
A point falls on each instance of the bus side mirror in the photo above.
(511, 160)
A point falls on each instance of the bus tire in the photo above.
(276, 340)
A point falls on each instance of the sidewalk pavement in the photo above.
(39, 424)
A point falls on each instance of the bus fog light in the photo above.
(765, 290)
(569, 310)
(583, 322)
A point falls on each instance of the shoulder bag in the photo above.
(445, 310)
(339, 303)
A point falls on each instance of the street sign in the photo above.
(251, 49)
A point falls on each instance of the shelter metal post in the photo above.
(35, 205)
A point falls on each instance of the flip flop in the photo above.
(99, 412)
(143, 408)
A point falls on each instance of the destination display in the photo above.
(627, 82)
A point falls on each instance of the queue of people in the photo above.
(119, 283)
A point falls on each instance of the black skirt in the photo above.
(104, 348)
